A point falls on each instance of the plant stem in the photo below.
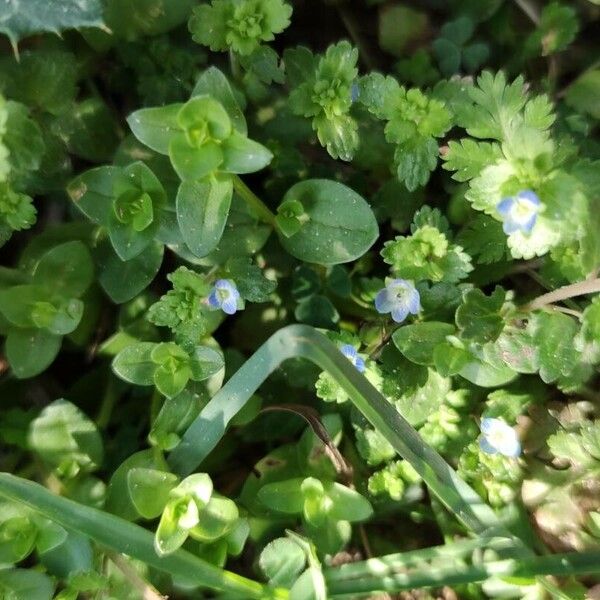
(257, 205)
(353, 29)
(303, 341)
(124, 537)
(589, 286)
(530, 10)
(574, 563)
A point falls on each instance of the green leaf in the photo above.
(25, 584)
(63, 437)
(17, 539)
(135, 365)
(37, 16)
(242, 155)
(414, 161)
(138, 18)
(582, 92)
(92, 192)
(340, 225)
(67, 269)
(23, 138)
(468, 157)
(282, 560)
(205, 362)
(309, 586)
(347, 504)
(149, 490)
(479, 316)
(554, 335)
(249, 280)
(30, 351)
(169, 381)
(213, 83)
(484, 239)
(283, 496)
(557, 28)
(418, 341)
(202, 211)
(216, 519)
(89, 130)
(123, 280)
(156, 127)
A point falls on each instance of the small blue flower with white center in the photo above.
(519, 212)
(400, 298)
(499, 438)
(351, 354)
(225, 296)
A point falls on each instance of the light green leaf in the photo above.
(213, 83)
(283, 496)
(92, 192)
(281, 561)
(30, 351)
(156, 127)
(134, 363)
(25, 584)
(202, 211)
(418, 341)
(67, 269)
(243, 155)
(123, 280)
(340, 225)
(149, 490)
(63, 435)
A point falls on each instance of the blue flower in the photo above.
(354, 92)
(519, 212)
(352, 355)
(225, 296)
(400, 298)
(499, 438)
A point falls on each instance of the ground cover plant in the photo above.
(300, 300)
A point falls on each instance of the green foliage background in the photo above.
(309, 154)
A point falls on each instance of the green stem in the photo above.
(127, 538)
(400, 562)
(304, 341)
(589, 286)
(456, 574)
(257, 205)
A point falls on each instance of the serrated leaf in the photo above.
(418, 341)
(21, 19)
(478, 317)
(468, 157)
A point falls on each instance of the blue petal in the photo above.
(530, 196)
(399, 313)
(348, 351)
(512, 450)
(414, 302)
(528, 226)
(225, 284)
(383, 303)
(213, 299)
(488, 424)
(359, 363)
(229, 306)
(487, 447)
(505, 205)
(509, 226)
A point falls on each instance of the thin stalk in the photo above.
(400, 562)
(530, 567)
(128, 538)
(303, 341)
(589, 286)
(257, 205)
